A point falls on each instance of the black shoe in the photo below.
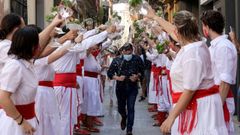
(129, 133)
(141, 99)
(123, 123)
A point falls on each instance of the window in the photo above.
(20, 7)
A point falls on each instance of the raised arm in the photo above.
(167, 26)
(48, 49)
(59, 52)
(96, 39)
(106, 44)
(44, 35)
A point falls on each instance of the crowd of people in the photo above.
(52, 84)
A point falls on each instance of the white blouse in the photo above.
(18, 77)
(224, 60)
(67, 63)
(191, 70)
(153, 56)
(92, 64)
(44, 71)
(4, 48)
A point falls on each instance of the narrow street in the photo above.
(143, 121)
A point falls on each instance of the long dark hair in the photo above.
(8, 24)
(25, 42)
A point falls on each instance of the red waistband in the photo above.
(156, 69)
(187, 118)
(65, 79)
(89, 74)
(27, 111)
(46, 83)
(198, 94)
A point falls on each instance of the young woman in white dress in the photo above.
(197, 107)
(19, 84)
(46, 107)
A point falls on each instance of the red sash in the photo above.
(46, 83)
(79, 67)
(156, 74)
(185, 123)
(88, 74)
(27, 111)
(225, 108)
(65, 79)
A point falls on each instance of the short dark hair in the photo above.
(39, 30)
(214, 20)
(24, 43)
(8, 24)
(127, 46)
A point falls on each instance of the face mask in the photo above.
(95, 53)
(127, 57)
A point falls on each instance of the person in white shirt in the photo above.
(18, 85)
(224, 62)
(46, 106)
(92, 105)
(9, 24)
(12, 22)
(65, 81)
(197, 107)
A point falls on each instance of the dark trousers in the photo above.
(126, 95)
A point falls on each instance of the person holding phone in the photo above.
(234, 39)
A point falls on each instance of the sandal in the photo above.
(156, 124)
(82, 132)
(92, 129)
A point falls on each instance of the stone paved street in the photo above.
(143, 122)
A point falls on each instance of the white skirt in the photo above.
(152, 97)
(164, 103)
(92, 97)
(8, 126)
(67, 101)
(47, 111)
(210, 118)
(231, 109)
(79, 94)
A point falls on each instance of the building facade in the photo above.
(33, 11)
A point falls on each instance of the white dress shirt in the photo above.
(191, 70)
(224, 60)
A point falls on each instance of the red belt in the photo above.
(88, 74)
(184, 117)
(156, 73)
(65, 79)
(46, 83)
(27, 111)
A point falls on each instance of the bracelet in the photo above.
(21, 122)
(18, 117)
